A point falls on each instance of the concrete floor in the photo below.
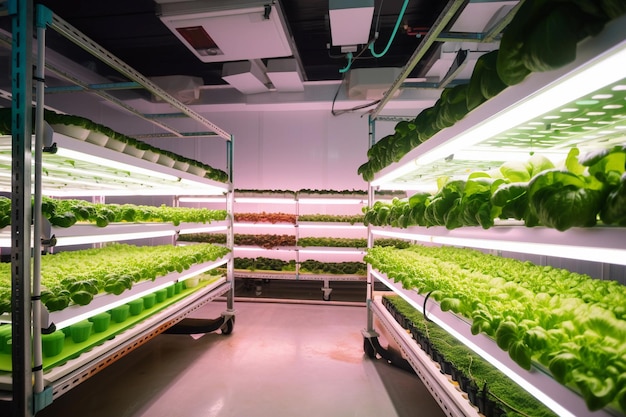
(281, 360)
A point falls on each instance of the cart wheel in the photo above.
(368, 348)
(228, 326)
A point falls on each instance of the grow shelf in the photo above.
(66, 376)
(81, 234)
(580, 104)
(291, 276)
(81, 168)
(562, 400)
(596, 244)
(330, 225)
(450, 399)
(104, 302)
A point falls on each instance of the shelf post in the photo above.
(43, 16)
(21, 82)
(370, 237)
(230, 234)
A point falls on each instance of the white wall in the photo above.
(285, 149)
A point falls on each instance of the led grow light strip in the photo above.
(331, 226)
(120, 300)
(84, 316)
(106, 175)
(585, 253)
(337, 251)
(202, 199)
(335, 201)
(82, 240)
(537, 393)
(267, 225)
(265, 200)
(260, 249)
(603, 71)
(71, 154)
(207, 229)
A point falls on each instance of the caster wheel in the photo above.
(228, 326)
(368, 348)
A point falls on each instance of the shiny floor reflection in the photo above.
(280, 360)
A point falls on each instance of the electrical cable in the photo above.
(340, 112)
(393, 34)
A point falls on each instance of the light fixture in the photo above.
(265, 200)
(350, 21)
(559, 249)
(266, 225)
(336, 201)
(325, 226)
(332, 251)
(198, 271)
(63, 323)
(259, 249)
(112, 164)
(113, 237)
(202, 199)
(207, 229)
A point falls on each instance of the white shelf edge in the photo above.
(297, 277)
(125, 338)
(80, 234)
(451, 400)
(203, 186)
(596, 244)
(330, 225)
(562, 400)
(98, 354)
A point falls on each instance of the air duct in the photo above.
(228, 30)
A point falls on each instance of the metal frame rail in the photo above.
(27, 397)
(435, 34)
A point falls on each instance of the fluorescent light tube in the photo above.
(267, 225)
(71, 154)
(265, 200)
(202, 199)
(334, 201)
(333, 252)
(563, 250)
(332, 226)
(81, 240)
(207, 229)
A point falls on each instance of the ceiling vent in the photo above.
(228, 30)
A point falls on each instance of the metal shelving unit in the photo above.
(89, 170)
(485, 139)
(298, 251)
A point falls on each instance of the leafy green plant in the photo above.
(76, 277)
(533, 191)
(569, 323)
(542, 36)
(512, 398)
(65, 213)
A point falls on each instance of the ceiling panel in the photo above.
(132, 31)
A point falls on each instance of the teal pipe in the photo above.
(393, 35)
